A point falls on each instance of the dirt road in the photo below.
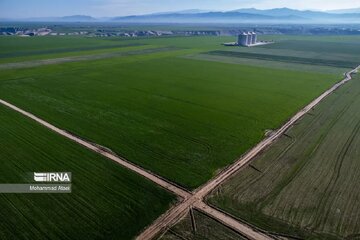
(191, 199)
(101, 150)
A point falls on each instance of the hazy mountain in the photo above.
(186, 11)
(247, 15)
(269, 12)
(233, 17)
(75, 18)
(289, 12)
(353, 10)
(78, 18)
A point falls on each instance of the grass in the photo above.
(317, 38)
(16, 49)
(206, 228)
(306, 184)
(340, 48)
(65, 50)
(107, 201)
(287, 59)
(268, 64)
(17, 46)
(183, 119)
(327, 54)
(78, 58)
(317, 46)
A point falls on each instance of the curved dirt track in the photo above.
(190, 199)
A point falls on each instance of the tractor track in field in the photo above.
(194, 199)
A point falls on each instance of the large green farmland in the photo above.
(306, 184)
(107, 201)
(180, 118)
(15, 49)
(183, 108)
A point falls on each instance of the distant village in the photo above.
(24, 32)
(111, 32)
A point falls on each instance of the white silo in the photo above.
(243, 39)
(249, 40)
(254, 38)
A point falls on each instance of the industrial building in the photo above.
(247, 39)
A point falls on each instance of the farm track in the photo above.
(194, 199)
(37, 63)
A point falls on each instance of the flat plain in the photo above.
(180, 112)
(183, 119)
(106, 202)
(306, 184)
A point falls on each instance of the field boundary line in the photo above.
(104, 152)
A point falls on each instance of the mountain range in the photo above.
(353, 10)
(74, 18)
(246, 15)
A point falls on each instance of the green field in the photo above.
(17, 46)
(310, 45)
(287, 59)
(327, 54)
(182, 119)
(306, 184)
(17, 49)
(336, 48)
(206, 228)
(171, 107)
(107, 201)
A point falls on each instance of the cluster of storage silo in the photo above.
(247, 39)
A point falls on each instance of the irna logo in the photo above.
(52, 177)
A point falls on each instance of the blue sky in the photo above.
(108, 8)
